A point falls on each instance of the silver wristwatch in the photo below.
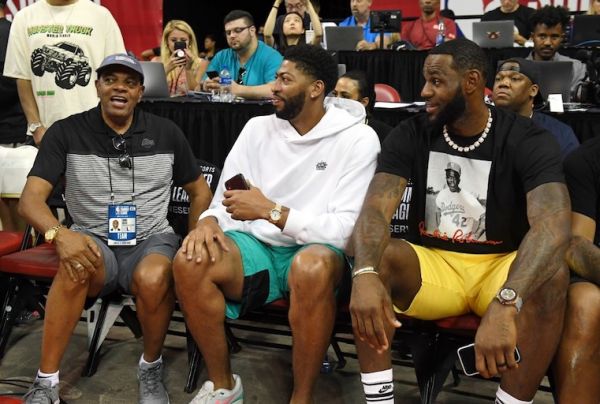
(32, 127)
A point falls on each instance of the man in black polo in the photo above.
(119, 163)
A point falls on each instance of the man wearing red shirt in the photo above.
(422, 33)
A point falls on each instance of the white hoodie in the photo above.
(322, 177)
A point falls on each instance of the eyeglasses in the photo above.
(241, 75)
(120, 144)
(236, 31)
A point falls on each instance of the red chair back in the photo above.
(10, 242)
(386, 93)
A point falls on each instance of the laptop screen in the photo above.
(494, 34)
(155, 80)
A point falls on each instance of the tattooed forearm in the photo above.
(371, 232)
(583, 258)
(542, 251)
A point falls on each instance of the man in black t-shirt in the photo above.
(576, 366)
(118, 163)
(512, 10)
(512, 274)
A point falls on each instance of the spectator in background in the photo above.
(251, 63)
(47, 96)
(423, 32)
(512, 10)
(298, 6)
(355, 85)
(549, 24)
(361, 16)
(516, 88)
(148, 54)
(184, 67)
(576, 366)
(12, 129)
(594, 7)
(210, 47)
(293, 31)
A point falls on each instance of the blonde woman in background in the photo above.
(594, 8)
(183, 67)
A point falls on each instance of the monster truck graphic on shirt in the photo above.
(66, 60)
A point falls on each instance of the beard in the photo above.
(451, 112)
(291, 107)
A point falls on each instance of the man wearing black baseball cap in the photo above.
(516, 88)
(118, 162)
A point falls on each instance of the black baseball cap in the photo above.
(527, 68)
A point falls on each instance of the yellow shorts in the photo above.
(454, 283)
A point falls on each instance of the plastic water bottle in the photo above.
(225, 93)
(439, 39)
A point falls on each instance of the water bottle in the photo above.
(439, 39)
(225, 94)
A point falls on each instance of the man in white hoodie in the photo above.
(308, 167)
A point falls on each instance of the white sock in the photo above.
(378, 386)
(156, 362)
(502, 397)
(53, 377)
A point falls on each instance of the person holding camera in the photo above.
(179, 55)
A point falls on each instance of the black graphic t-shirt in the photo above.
(582, 170)
(473, 202)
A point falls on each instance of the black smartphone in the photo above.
(179, 45)
(236, 182)
(212, 74)
(466, 356)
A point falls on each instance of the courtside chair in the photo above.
(386, 93)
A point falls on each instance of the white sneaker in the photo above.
(208, 395)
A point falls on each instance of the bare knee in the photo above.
(315, 270)
(582, 318)
(152, 281)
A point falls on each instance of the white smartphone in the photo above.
(466, 356)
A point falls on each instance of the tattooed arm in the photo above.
(540, 255)
(583, 256)
(370, 303)
(542, 251)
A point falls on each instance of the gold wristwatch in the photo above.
(51, 233)
(275, 214)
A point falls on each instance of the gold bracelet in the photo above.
(365, 270)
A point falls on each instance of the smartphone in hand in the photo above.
(212, 74)
(236, 182)
(466, 357)
(179, 45)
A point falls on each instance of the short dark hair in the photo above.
(550, 16)
(237, 14)
(212, 37)
(314, 61)
(365, 86)
(465, 55)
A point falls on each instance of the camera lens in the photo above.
(180, 53)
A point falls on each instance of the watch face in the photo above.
(49, 235)
(275, 215)
(508, 294)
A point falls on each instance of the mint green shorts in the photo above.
(266, 270)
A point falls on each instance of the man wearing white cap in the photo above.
(120, 170)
